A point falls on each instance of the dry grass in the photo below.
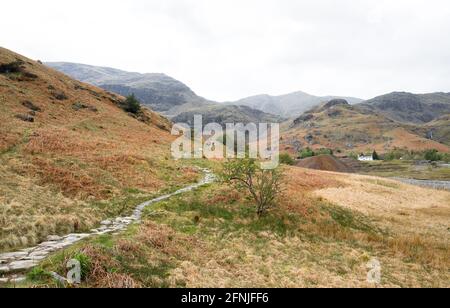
(56, 167)
(307, 242)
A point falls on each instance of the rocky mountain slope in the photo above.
(158, 91)
(289, 105)
(161, 93)
(70, 156)
(353, 128)
(227, 114)
(411, 108)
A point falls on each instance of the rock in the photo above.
(336, 102)
(59, 95)
(31, 106)
(13, 256)
(79, 106)
(25, 117)
(54, 238)
(59, 278)
(106, 223)
(17, 280)
(22, 265)
(4, 269)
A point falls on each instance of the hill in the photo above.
(411, 108)
(70, 155)
(161, 93)
(227, 114)
(289, 105)
(324, 163)
(353, 128)
(158, 91)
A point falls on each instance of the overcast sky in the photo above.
(230, 49)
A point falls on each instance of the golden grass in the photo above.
(57, 166)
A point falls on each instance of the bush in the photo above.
(263, 185)
(286, 159)
(433, 155)
(324, 151)
(85, 264)
(305, 153)
(132, 104)
(375, 155)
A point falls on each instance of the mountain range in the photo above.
(288, 105)
(420, 120)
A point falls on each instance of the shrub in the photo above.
(324, 151)
(132, 104)
(263, 185)
(85, 264)
(37, 274)
(305, 153)
(375, 155)
(10, 68)
(433, 155)
(286, 159)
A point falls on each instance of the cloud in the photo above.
(230, 49)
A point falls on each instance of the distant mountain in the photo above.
(157, 91)
(227, 114)
(349, 128)
(289, 105)
(411, 108)
(162, 93)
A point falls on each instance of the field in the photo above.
(403, 169)
(325, 230)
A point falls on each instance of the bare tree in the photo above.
(263, 185)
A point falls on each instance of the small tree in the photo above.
(375, 156)
(286, 159)
(263, 185)
(132, 104)
(432, 155)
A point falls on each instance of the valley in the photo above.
(85, 175)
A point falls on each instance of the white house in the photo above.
(365, 157)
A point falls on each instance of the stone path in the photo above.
(13, 263)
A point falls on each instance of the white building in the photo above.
(365, 158)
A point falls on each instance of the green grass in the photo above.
(406, 169)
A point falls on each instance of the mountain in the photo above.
(160, 92)
(289, 105)
(70, 156)
(411, 108)
(349, 128)
(228, 114)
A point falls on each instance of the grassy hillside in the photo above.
(324, 231)
(347, 128)
(66, 148)
(157, 91)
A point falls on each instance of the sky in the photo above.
(229, 49)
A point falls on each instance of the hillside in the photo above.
(352, 128)
(158, 91)
(325, 163)
(227, 114)
(411, 108)
(325, 229)
(162, 93)
(70, 156)
(289, 105)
